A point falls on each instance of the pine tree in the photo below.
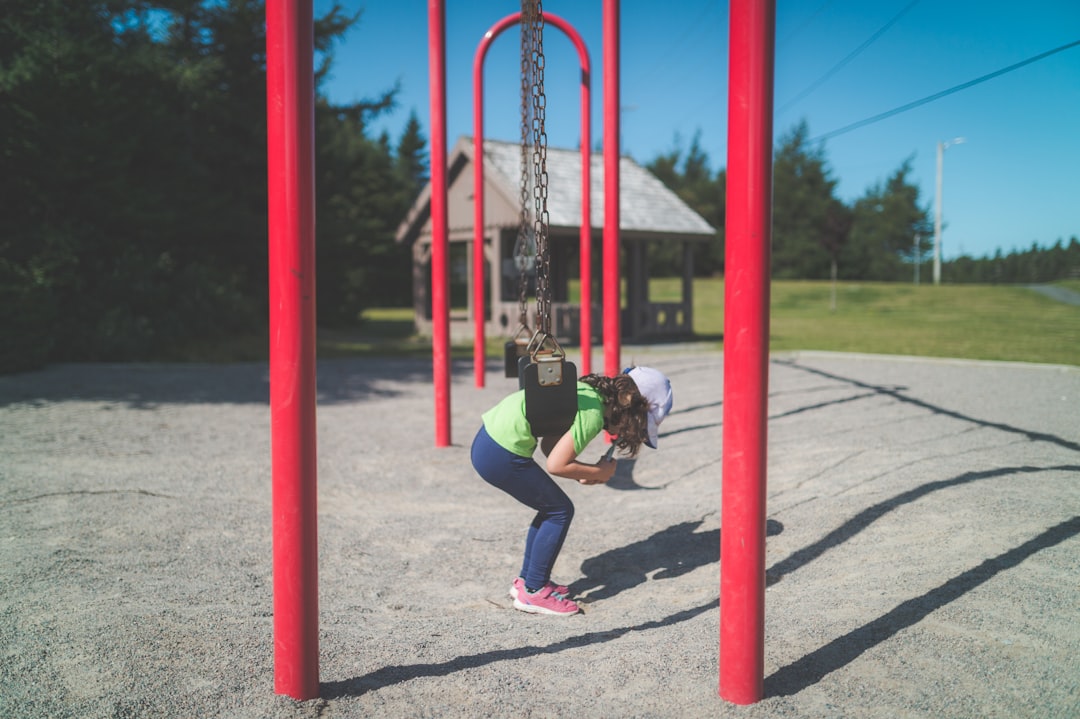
(885, 222)
(693, 181)
(805, 217)
(411, 157)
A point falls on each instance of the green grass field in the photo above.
(963, 321)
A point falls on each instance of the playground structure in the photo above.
(585, 248)
(290, 124)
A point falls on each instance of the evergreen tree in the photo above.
(692, 180)
(806, 219)
(1034, 265)
(411, 157)
(361, 197)
(885, 223)
(134, 139)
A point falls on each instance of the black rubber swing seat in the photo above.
(550, 386)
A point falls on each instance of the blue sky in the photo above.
(1014, 181)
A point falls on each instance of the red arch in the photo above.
(478, 185)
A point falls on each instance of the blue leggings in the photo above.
(524, 480)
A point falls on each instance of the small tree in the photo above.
(837, 229)
(885, 222)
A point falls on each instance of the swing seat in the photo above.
(514, 351)
(550, 386)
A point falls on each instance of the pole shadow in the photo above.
(897, 394)
(843, 650)
(396, 674)
(669, 553)
(871, 514)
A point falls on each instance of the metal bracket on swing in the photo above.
(516, 348)
(549, 359)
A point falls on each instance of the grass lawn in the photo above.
(990, 322)
(964, 321)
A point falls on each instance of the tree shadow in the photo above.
(667, 554)
(843, 650)
(147, 386)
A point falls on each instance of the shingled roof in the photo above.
(646, 205)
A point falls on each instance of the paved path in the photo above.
(1055, 292)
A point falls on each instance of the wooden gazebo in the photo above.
(649, 212)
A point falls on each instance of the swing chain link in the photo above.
(539, 163)
(522, 248)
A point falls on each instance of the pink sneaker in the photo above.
(519, 586)
(545, 601)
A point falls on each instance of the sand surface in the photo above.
(922, 551)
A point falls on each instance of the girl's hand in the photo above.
(562, 461)
(606, 467)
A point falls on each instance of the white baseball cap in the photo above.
(656, 389)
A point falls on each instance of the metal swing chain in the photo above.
(521, 246)
(540, 176)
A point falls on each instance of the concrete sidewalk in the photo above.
(922, 547)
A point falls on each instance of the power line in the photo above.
(802, 26)
(851, 56)
(943, 93)
(680, 44)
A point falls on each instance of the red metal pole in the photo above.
(290, 108)
(746, 350)
(478, 184)
(585, 240)
(478, 208)
(440, 245)
(612, 334)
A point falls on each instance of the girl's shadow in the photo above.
(669, 553)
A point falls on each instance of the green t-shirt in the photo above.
(506, 423)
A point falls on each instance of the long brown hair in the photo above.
(626, 410)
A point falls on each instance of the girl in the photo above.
(630, 407)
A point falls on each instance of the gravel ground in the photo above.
(922, 553)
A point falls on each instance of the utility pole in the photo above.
(941, 147)
(917, 256)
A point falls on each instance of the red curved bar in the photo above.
(478, 190)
